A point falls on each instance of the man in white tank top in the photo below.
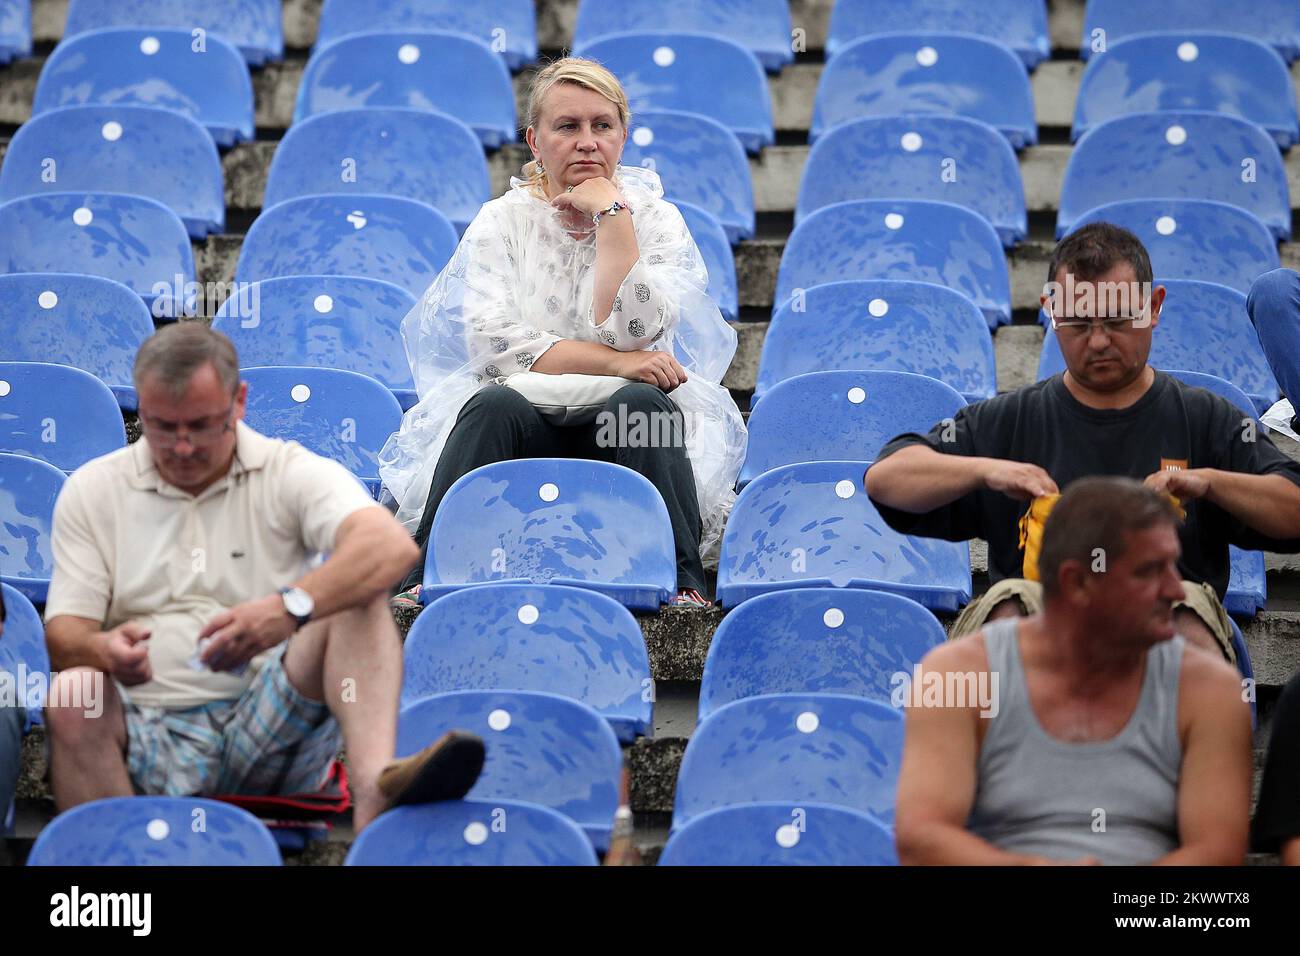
(1110, 739)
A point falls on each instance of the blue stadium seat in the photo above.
(699, 161)
(1195, 239)
(591, 524)
(28, 489)
(1182, 155)
(542, 748)
(781, 834)
(507, 26)
(139, 150)
(254, 26)
(955, 74)
(1219, 72)
(945, 158)
(381, 237)
(693, 72)
(715, 249)
(563, 640)
(24, 645)
(886, 324)
(57, 413)
(152, 68)
(132, 240)
(1203, 328)
(1275, 22)
(812, 525)
(934, 242)
(15, 29)
(155, 831)
(761, 26)
(343, 416)
(472, 833)
(816, 640)
(1020, 25)
(325, 322)
(414, 154)
(444, 72)
(791, 748)
(821, 416)
(83, 321)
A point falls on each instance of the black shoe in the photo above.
(445, 770)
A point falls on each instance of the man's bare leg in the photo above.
(352, 661)
(87, 753)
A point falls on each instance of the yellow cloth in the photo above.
(1035, 518)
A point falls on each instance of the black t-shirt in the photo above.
(1277, 815)
(1172, 425)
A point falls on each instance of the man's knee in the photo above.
(82, 705)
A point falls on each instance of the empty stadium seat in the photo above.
(254, 26)
(139, 150)
(343, 416)
(542, 748)
(692, 72)
(563, 640)
(812, 525)
(15, 29)
(1203, 328)
(414, 154)
(935, 242)
(592, 524)
(820, 416)
(885, 324)
(381, 237)
(1222, 73)
(57, 413)
(153, 68)
(1020, 25)
(28, 489)
(1195, 239)
(946, 158)
(715, 250)
(699, 161)
(909, 73)
(132, 240)
(325, 322)
(1177, 155)
(761, 26)
(1275, 22)
(507, 26)
(24, 645)
(472, 833)
(781, 834)
(82, 321)
(816, 640)
(825, 748)
(155, 831)
(445, 72)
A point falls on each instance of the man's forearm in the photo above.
(1270, 504)
(919, 479)
(1207, 853)
(75, 642)
(366, 564)
(943, 844)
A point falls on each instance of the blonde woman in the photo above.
(581, 267)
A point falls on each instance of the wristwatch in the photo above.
(612, 210)
(298, 604)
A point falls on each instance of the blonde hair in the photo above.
(587, 74)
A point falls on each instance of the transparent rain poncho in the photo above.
(518, 283)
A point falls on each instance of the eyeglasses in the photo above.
(1111, 325)
(202, 432)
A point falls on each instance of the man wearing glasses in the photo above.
(1109, 413)
(183, 569)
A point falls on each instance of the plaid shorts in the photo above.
(272, 740)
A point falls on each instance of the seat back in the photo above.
(509, 26)
(760, 26)
(715, 249)
(781, 834)
(1275, 22)
(254, 26)
(1020, 25)
(23, 646)
(28, 489)
(57, 413)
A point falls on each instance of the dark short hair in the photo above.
(174, 353)
(1097, 513)
(1094, 249)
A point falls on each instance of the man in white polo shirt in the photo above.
(182, 571)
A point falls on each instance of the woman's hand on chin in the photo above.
(589, 197)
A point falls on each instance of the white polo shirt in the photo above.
(128, 546)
